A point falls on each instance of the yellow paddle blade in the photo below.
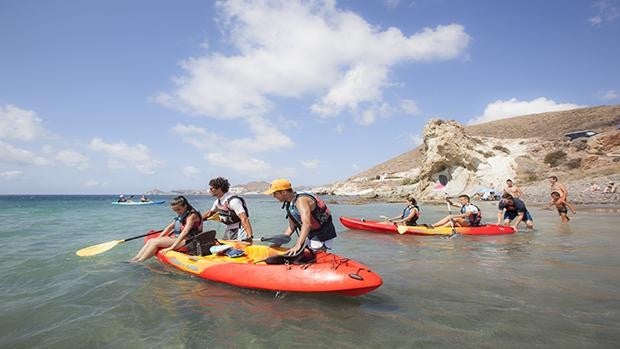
(402, 229)
(215, 217)
(97, 249)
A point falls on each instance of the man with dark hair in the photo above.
(513, 208)
(512, 189)
(470, 215)
(232, 210)
(559, 187)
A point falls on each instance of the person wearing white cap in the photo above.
(306, 212)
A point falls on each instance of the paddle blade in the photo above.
(402, 229)
(215, 217)
(97, 249)
(280, 239)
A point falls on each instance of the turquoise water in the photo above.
(555, 287)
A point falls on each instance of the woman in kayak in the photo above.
(187, 223)
(410, 214)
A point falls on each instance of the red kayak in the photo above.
(329, 273)
(390, 228)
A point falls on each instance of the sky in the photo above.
(110, 97)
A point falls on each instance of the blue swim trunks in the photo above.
(510, 215)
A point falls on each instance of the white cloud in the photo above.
(94, 183)
(311, 164)
(608, 95)
(21, 124)
(12, 155)
(339, 127)
(239, 163)
(416, 139)
(368, 117)
(190, 171)
(8, 175)
(293, 49)
(513, 107)
(409, 106)
(122, 155)
(607, 11)
(72, 158)
(391, 3)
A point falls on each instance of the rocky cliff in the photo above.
(485, 156)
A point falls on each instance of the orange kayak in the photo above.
(329, 273)
(390, 228)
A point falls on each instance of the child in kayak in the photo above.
(562, 206)
(410, 214)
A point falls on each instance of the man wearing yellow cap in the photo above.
(306, 212)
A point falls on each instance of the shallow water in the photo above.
(558, 286)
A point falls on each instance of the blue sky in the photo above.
(126, 96)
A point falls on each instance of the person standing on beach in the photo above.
(307, 213)
(513, 209)
(562, 206)
(513, 190)
(559, 187)
(232, 210)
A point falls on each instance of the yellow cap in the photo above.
(277, 185)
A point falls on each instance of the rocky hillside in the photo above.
(526, 149)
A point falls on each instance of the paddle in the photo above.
(106, 246)
(100, 248)
(280, 239)
(451, 220)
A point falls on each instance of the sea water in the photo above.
(555, 287)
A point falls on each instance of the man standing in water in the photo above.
(513, 190)
(232, 210)
(306, 212)
(559, 187)
(513, 209)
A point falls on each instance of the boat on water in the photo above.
(389, 228)
(328, 273)
(138, 203)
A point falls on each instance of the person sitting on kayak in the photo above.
(307, 213)
(144, 199)
(513, 208)
(232, 210)
(469, 216)
(562, 206)
(186, 224)
(410, 214)
(122, 198)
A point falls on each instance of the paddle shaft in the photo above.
(141, 236)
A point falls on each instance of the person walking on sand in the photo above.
(307, 213)
(559, 187)
(593, 187)
(510, 209)
(232, 210)
(513, 190)
(562, 206)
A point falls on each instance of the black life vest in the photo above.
(228, 216)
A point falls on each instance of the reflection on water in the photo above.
(557, 286)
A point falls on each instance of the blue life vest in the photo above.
(321, 225)
(474, 220)
(180, 220)
(228, 216)
(407, 211)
